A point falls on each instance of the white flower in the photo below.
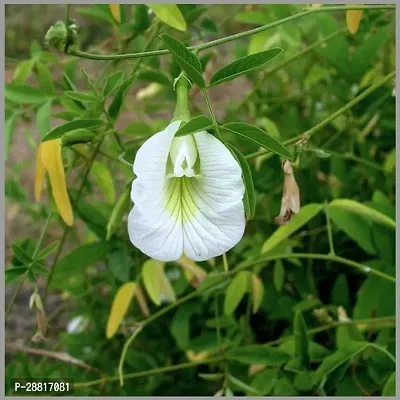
(188, 197)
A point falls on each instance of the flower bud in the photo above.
(57, 36)
(77, 136)
(291, 195)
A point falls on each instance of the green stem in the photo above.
(123, 355)
(225, 261)
(227, 39)
(283, 64)
(154, 371)
(329, 230)
(311, 132)
(210, 110)
(372, 321)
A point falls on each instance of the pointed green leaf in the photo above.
(364, 211)
(8, 131)
(45, 78)
(24, 94)
(390, 386)
(60, 130)
(236, 290)
(243, 65)
(265, 381)
(196, 124)
(80, 96)
(115, 106)
(169, 14)
(185, 58)
(43, 117)
(301, 340)
(258, 354)
(258, 136)
(22, 71)
(153, 76)
(112, 83)
(249, 196)
(47, 250)
(104, 180)
(243, 386)
(305, 214)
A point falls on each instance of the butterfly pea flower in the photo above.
(187, 194)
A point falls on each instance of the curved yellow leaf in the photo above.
(353, 18)
(39, 174)
(115, 11)
(169, 14)
(257, 292)
(193, 273)
(52, 162)
(151, 270)
(119, 307)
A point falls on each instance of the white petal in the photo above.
(213, 211)
(152, 228)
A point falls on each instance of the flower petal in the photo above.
(52, 161)
(213, 219)
(39, 174)
(153, 229)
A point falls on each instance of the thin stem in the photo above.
(329, 230)
(311, 132)
(217, 42)
(154, 371)
(283, 64)
(210, 110)
(67, 13)
(372, 321)
(123, 355)
(225, 261)
(35, 253)
(383, 350)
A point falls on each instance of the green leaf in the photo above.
(150, 280)
(60, 130)
(243, 65)
(22, 71)
(279, 275)
(74, 263)
(241, 385)
(115, 106)
(334, 361)
(21, 254)
(364, 211)
(316, 351)
(43, 117)
(236, 290)
(8, 131)
(104, 180)
(24, 94)
(283, 387)
(196, 124)
(141, 17)
(47, 250)
(306, 213)
(258, 354)
(212, 377)
(257, 135)
(80, 96)
(250, 195)
(390, 386)
(154, 76)
(185, 58)
(112, 83)
(169, 14)
(45, 78)
(13, 273)
(301, 340)
(265, 381)
(98, 12)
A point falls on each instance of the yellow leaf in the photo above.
(151, 270)
(115, 11)
(169, 14)
(40, 173)
(52, 162)
(257, 292)
(353, 18)
(194, 274)
(192, 356)
(119, 307)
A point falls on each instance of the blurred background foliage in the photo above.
(352, 157)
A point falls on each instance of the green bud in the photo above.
(182, 86)
(118, 212)
(78, 136)
(57, 36)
